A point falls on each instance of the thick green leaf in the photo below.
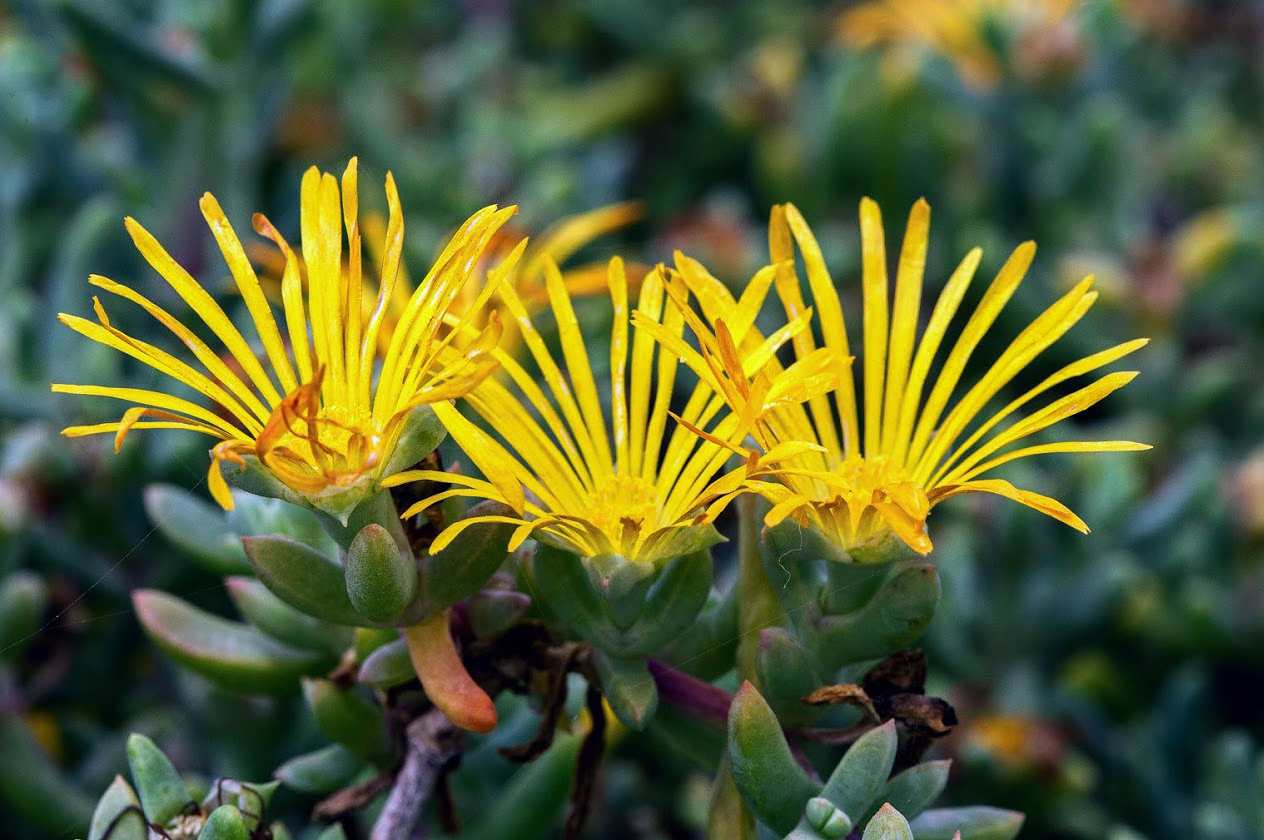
(628, 688)
(913, 790)
(888, 824)
(771, 782)
(118, 815)
(388, 666)
(823, 819)
(322, 771)
(261, 516)
(381, 579)
(892, 620)
(163, 794)
(728, 817)
(282, 621)
(863, 771)
(493, 611)
(199, 528)
(787, 674)
(349, 718)
(693, 539)
(232, 655)
(226, 823)
(622, 584)
(977, 822)
(673, 602)
(465, 566)
(422, 434)
(303, 577)
(707, 651)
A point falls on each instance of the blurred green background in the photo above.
(1109, 685)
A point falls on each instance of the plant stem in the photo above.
(432, 743)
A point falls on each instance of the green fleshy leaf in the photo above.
(422, 434)
(388, 666)
(163, 794)
(280, 832)
(198, 528)
(707, 651)
(334, 832)
(728, 817)
(977, 822)
(231, 655)
(261, 516)
(863, 771)
(226, 823)
(303, 578)
(888, 824)
(369, 639)
(349, 718)
(823, 819)
(674, 601)
(491, 612)
(891, 621)
(118, 815)
(465, 566)
(282, 621)
(913, 790)
(321, 771)
(771, 782)
(622, 584)
(679, 542)
(788, 674)
(381, 579)
(628, 688)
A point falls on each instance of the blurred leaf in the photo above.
(162, 791)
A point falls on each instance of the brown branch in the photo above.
(587, 765)
(433, 743)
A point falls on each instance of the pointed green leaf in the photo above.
(334, 832)
(787, 674)
(673, 602)
(303, 577)
(465, 566)
(977, 822)
(863, 771)
(162, 791)
(622, 584)
(322, 771)
(232, 655)
(892, 620)
(771, 782)
(381, 579)
(261, 516)
(888, 824)
(913, 790)
(708, 649)
(422, 434)
(388, 666)
(226, 823)
(198, 528)
(349, 718)
(628, 688)
(282, 621)
(694, 539)
(118, 815)
(493, 611)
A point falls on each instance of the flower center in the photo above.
(621, 508)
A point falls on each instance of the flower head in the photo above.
(324, 404)
(595, 481)
(558, 243)
(877, 462)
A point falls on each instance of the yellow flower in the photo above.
(600, 482)
(324, 409)
(861, 484)
(956, 29)
(558, 243)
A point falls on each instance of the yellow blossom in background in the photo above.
(602, 481)
(323, 405)
(959, 31)
(879, 461)
(558, 243)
